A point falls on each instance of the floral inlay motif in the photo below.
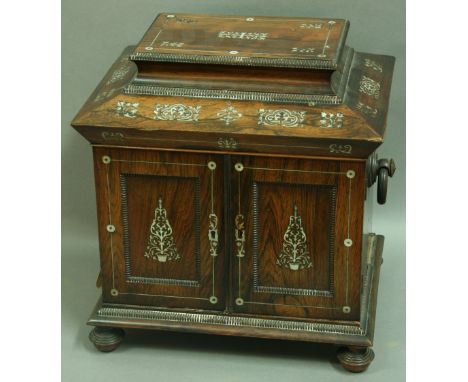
(161, 246)
(177, 112)
(172, 44)
(282, 117)
(227, 143)
(370, 87)
(342, 149)
(127, 109)
(372, 64)
(240, 235)
(229, 114)
(120, 73)
(213, 234)
(331, 120)
(294, 255)
(370, 111)
(243, 35)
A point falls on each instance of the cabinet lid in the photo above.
(203, 106)
(313, 43)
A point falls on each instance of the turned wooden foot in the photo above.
(355, 359)
(106, 339)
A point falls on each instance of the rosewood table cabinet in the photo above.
(234, 159)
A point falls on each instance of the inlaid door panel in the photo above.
(160, 221)
(297, 237)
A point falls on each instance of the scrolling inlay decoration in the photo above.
(282, 117)
(366, 109)
(294, 254)
(372, 64)
(370, 87)
(227, 143)
(127, 109)
(120, 73)
(229, 114)
(331, 120)
(177, 112)
(240, 235)
(161, 245)
(243, 35)
(112, 136)
(343, 149)
(213, 234)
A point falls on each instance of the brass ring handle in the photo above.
(386, 168)
(379, 170)
(371, 169)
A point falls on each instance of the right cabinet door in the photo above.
(297, 237)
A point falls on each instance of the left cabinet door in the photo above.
(160, 228)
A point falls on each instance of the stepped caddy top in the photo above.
(256, 84)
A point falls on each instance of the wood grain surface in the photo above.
(329, 203)
(254, 36)
(356, 133)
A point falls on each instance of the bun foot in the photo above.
(355, 359)
(106, 339)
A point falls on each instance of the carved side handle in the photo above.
(380, 170)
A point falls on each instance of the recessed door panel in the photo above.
(297, 241)
(299, 238)
(159, 247)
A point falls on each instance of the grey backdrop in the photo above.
(93, 35)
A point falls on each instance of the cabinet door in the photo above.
(297, 237)
(160, 222)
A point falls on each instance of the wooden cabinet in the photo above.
(232, 185)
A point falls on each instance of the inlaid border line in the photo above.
(239, 234)
(160, 30)
(156, 37)
(163, 163)
(331, 23)
(350, 180)
(110, 223)
(294, 305)
(293, 170)
(163, 295)
(239, 212)
(212, 211)
(349, 205)
(213, 247)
